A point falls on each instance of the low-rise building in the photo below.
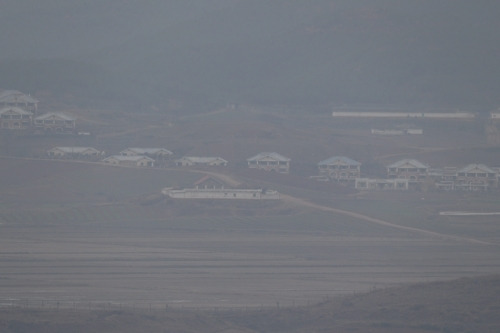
(136, 161)
(13, 117)
(476, 177)
(270, 162)
(210, 187)
(14, 98)
(200, 161)
(409, 169)
(403, 115)
(55, 122)
(381, 184)
(340, 168)
(228, 194)
(156, 153)
(74, 152)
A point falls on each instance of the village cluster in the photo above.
(18, 111)
(401, 175)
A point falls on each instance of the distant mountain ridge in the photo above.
(441, 52)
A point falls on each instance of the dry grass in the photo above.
(463, 305)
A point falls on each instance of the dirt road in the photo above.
(303, 202)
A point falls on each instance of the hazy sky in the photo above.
(324, 51)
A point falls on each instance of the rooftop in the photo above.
(274, 156)
(341, 159)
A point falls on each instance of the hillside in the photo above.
(283, 52)
(464, 305)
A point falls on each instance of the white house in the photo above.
(408, 169)
(18, 99)
(340, 168)
(270, 162)
(476, 177)
(56, 122)
(138, 161)
(74, 152)
(13, 117)
(381, 184)
(156, 153)
(200, 161)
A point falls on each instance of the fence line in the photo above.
(145, 306)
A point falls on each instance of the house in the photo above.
(13, 117)
(74, 152)
(200, 161)
(381, 184)
(136, 161)
(270, 162)
(210, 187)
(476, 177)
(55, 122)
(340, 168)
(156, 153)
(18, 99)
(408, 169)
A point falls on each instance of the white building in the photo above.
(381, 184)
(137, 161)
(55, 122)
(476, 177)
(74, 152)
(200, 161)
(340, 168)
(210, 187)
(13, 117)
(157, 153)
(228, 194)
(408, 169)
(403, 115)
(18, 99)
(270, 162)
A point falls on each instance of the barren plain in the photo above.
(77, 234)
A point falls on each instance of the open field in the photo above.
(459, 306)
(219, 262)
(85, 243)
(76, 235)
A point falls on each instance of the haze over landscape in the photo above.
(249, 166)
(287, 52)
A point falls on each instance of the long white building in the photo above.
(221, 193)
(402, 115)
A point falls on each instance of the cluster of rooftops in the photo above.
(402, 174)
(408, 173)
(18, 111)
(151, 157)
